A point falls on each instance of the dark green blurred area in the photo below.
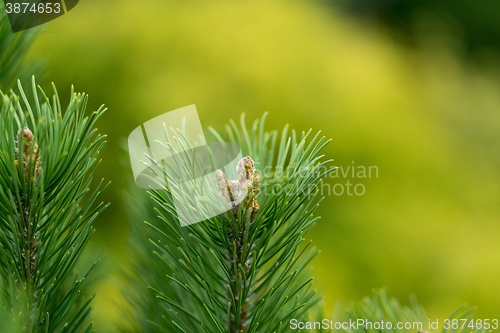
(475, 23)
(426, 116)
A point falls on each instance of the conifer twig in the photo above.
(47, 161)
(245, 270)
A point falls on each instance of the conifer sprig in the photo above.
(245, 271)
(48, 157)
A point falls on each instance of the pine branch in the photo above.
(47, 161)
(246, 270)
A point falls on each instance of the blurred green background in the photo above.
(410, 88)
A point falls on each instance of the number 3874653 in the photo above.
(36, 8)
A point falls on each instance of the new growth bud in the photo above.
(239, 192)
(31, 155)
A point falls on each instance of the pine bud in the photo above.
(31, 154)
(238, 192)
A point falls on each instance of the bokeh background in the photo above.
(411, 87)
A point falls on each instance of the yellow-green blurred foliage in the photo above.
(430, 123)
